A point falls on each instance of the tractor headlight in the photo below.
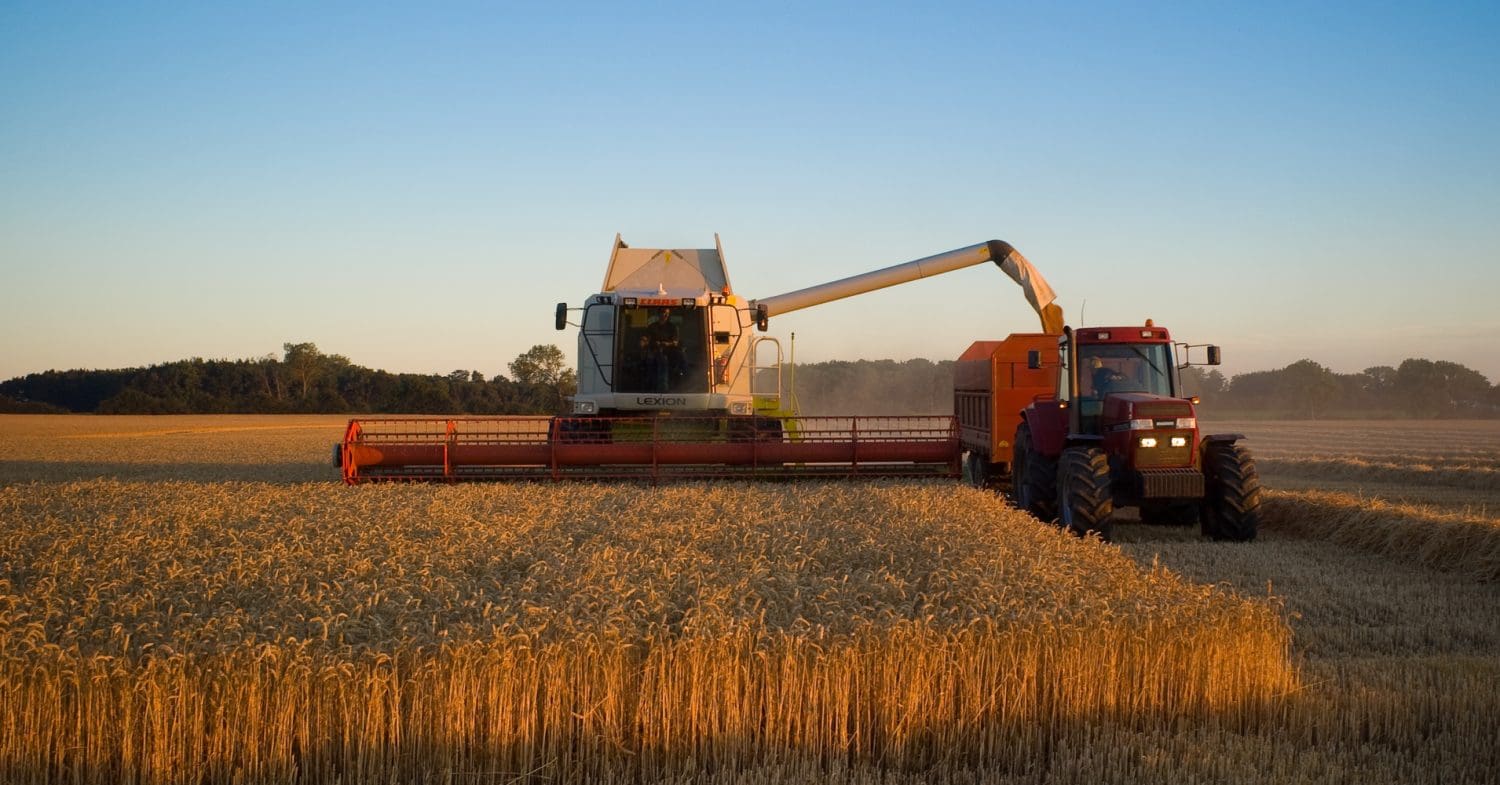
(1138, 425)
(1148, 441)
(1179, 441)
(585, 407)
(739, 407)
(1187, 422)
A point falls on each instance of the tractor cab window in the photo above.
(662, 350)
(1109, 368)
(1123, 367)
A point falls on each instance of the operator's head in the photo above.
(663, 314)
(1095, 363)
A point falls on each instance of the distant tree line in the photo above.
(303, 380)
(1302, 390)
(1307, 390)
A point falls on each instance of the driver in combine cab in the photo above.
(664, 339)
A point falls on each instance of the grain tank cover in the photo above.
(685, 271)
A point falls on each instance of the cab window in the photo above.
(662, 350)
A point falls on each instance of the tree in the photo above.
(1310, 385)
(1207, 384)
(1428, 387)
(304, 362)
(541, 364)
(543, 371)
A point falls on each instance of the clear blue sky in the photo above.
(416, 189)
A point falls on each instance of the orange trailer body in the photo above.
(991, 386)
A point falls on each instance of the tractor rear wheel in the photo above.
(1231, 504)
(1033, 478)
(1169, 513)
(1085, 502)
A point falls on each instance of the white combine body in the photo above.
(715, 364)
(623, 368)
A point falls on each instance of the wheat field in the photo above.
(195, 599)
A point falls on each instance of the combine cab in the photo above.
(1099, 422)
(673, 382)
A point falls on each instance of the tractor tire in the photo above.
(1085, 501)
(1231, 503)
(1169, 513)
(1033, 478)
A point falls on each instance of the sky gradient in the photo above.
(416, 189)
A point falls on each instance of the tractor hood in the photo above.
(1163, 412)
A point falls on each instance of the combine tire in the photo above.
(1033, 478)
(1231, 504)
(1169, 513)
(1084, 499)
(578, 430)
(768, 429)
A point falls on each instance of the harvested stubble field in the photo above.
(1427, 491)
(195, 600)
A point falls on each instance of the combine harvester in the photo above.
(672, 383)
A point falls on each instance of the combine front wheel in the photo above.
(1084, 500)
(1231, 504)
(1033, 478)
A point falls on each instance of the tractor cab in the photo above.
(1117, 369)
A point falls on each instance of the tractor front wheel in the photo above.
(1231, 504)
(1085, 502)
(1033, 478)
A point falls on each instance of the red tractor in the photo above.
(1103, 425)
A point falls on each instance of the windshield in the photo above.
(661, 350)
(1123, 367)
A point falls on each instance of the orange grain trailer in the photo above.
(991, 386)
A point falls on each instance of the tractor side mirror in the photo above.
(1034, 360)
(562, 316)
(1213, 355)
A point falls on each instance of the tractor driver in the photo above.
(1106, 379)
(668, 349)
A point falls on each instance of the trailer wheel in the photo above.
(1084, 500)
(1169, 513)
(1231, 504)
(1033, 478)
(974, 469)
